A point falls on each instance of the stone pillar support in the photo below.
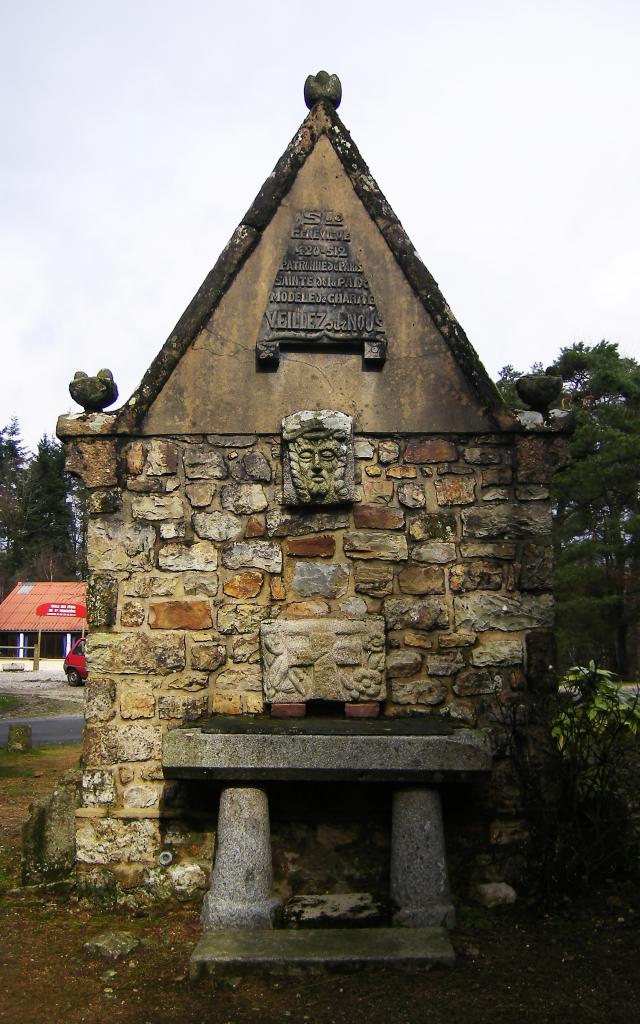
(419, 879)
(240, 891)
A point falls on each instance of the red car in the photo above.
(75, 664)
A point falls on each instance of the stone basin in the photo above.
(325, 749)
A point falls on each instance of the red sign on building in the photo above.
(59, 610)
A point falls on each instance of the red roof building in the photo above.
(45, 607)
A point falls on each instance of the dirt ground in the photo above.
(43, 694)
(574, 962)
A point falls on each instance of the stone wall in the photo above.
(190, 549)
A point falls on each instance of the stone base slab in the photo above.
(387, 750)
(227, 952)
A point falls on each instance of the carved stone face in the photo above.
(318, 466)
(318, 463)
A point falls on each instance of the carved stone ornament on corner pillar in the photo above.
(318, 465)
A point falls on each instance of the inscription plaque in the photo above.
(320, 295)
(323, 659)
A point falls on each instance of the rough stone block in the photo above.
(244, 584)
(104, 501)
(94, 461)
(48, 835)
(314, 578)
(188, 614)
(138, 743)
(430, 450)
(135, 652)
(478, 575)
(109, 840)
(404, 612)
(402, 473)
(243, 499)
(411, 495)
(134, 457)
(388, 452)
(102, 599)
(375, 580)
(377, 492)
(241, 618)
(421, 580)
(315, 546)
(245, 649)
(140, 796)
(114, 545)
(374, 544)
(99, 698)
(449, 640)
(330, 659)
(418, 691)
(505, 613)
(472, 683)
(378, 517)
(363, 449)
(132, 613)
(136, 703)
(444, 664)
(507, 522)
(281, 523)
(246, 679)
(256, 527)
(173, 530)
(162, 458)
(256, 466)
(143, 585)
(472, 549)
(200, 493)
(536, 567)
(200, 583)
(440, 526)
(201, 556)
(498, 652)
(434, 551)
(255, 554)
(201, 463)
(455, 490)
(403, 663)
(186, 709)
(207, 656)
(218, 526)
(311, 607)
(97, 787)
(539, 458)
(482, 455)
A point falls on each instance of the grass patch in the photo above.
(8, 701)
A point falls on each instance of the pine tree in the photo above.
(597, 507)
(12, 472)
(597, 518)
(48, 549)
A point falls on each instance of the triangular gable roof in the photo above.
(322, 120)
(18, 610)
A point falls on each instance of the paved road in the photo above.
(45, 731)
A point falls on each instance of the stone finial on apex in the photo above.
(93, 393)
(322, 86)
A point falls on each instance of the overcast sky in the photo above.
(135, 134)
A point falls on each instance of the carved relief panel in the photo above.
(323, 659)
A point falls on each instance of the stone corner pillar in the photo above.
(419, 879)
(242, 876)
